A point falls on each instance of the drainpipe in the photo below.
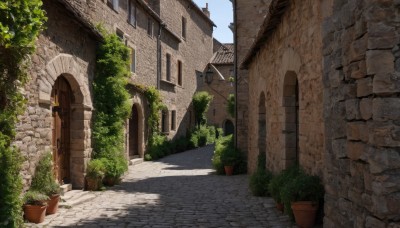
(235, 70)
(162, 25)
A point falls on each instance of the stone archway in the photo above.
(135, 130)
(134, 133)
(64, 67)
(290, 104)
(262, 131)
(229, 128)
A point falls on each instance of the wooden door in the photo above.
(61, 99)
(134, 133)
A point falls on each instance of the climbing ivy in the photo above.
(230, 108)
(21, 21)
(201, 102)
(111, 102)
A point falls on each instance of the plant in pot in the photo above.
(277, 183)
(35, 204)
(303, 194)
(114, 169)
(229, 159)
(43, 181)
(94, 174)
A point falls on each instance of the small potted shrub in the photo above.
(259, 182)
(114, 169)
(228, 159)
(35, 204)
(44, 181)
(94, 174)
(277, 183)
(303, 193)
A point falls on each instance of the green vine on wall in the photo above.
(201, 103)
(111, 102)
(21, 22)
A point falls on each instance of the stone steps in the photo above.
(76, 197)
(135, 161)
(65, 188)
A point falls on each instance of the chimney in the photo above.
(206, 11)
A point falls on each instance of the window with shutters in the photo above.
(173, 120)
(180, 82)
(132, 13)
(168, 67)
(114, 4)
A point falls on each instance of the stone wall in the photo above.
(291, 54)
(70, 52)
(361, 69)
(249, 17)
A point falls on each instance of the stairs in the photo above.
(135, 160)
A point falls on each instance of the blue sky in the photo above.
(222, 15)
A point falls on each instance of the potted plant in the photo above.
(44, 182)
(53, 192)
(228, 159)
(303, 193)
(94, 174)
(277, 183)
(35, 204)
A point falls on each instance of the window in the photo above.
(150, 27)
(113, 4)
(120, 34)
(164, 121)
(179, 73)
(133, 60)
(184, 28)
(173, 120)
(132, 13)
(168, 69)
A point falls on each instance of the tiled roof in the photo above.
(224, 55)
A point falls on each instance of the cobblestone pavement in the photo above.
(177, 191)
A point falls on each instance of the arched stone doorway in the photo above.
(134, 133)
(291, 124)
(262, 132)
(61, 97)
(229, 128)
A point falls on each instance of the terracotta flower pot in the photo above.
(304, 213)
(228, 170)
(35, 213)
(92, 184)
(52, 204)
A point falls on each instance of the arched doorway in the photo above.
(292, 113)
(229, 128)
(262, 132)
(61, 97)
(134, 133)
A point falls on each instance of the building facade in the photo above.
(167, 49)
(220, 85)
(323, 94)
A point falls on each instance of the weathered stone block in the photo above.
(384, 134)
(366, 108)
(386, 83)
(386, 109)
(364, 87)
(381, 36)
(357, 151)
(352, 109)
(372, 222)
(357, 131)
(379, 61)
(382, 159)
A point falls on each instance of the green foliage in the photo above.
(35, 198)
(278, 181)
(95, 169)
(21, 21)
(230, 108)
(202, 136)
(226, 154)
(111, 102)
(43, 181)
(155, 103)
(201, 102)
(259, 182)
(158, 148)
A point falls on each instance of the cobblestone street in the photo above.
(177, 191)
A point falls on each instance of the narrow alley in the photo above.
(177, 191)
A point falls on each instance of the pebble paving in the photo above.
(180, 190)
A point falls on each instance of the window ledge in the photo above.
(168, 82)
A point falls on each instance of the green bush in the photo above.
(35, 198)
(259, 182)
(201, 101)
(158, 147)
(114, 167)
(43, 180)
(202, 136)
(225, 153)
(95, 169)
(278, 181)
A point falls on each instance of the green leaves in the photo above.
(201, 102)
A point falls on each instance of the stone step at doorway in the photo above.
(76, 197)
(65, 188)
(135, 161)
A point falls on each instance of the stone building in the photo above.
(324, 94)
(169, 41)
(220, 85)
(248, 17)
